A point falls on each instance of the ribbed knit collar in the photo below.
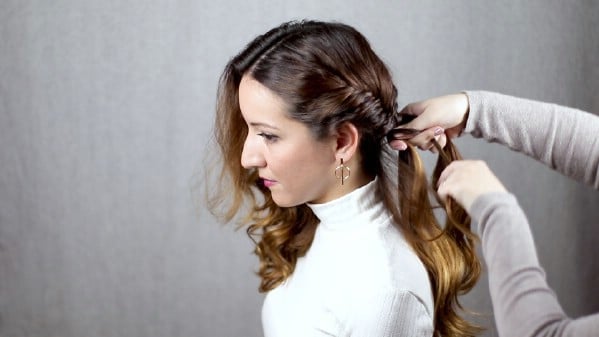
(359, 207)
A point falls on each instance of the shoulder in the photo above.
(383, 264)
(406, 272)
(390, 312)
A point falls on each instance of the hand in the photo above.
(438, 117)
(466, 180)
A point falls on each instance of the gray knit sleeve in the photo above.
(523, 303)
(565, 139)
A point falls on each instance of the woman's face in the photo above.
(290, 161)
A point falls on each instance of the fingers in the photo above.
(451, 180)
(399, 145)
(466, 180)
(424, 140)
(419, 123)
(448, 171)
(413, 109)
(422, 120)
(442, 140)
(449, 112)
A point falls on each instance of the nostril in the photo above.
(250, 161)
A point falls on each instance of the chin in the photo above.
(285, 202)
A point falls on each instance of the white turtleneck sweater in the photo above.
(359, 278)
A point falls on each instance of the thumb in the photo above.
(413, 109)
(420, 122)
(413, 116)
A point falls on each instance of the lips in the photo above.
(267, 182)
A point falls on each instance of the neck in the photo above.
(356, 180)
(351, 210)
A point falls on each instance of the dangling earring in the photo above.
(342, 172)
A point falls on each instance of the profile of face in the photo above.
(295, 166)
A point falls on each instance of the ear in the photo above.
(347, 141)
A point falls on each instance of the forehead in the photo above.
(257, 102)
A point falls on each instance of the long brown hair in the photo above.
(328, 74)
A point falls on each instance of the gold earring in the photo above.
(342, 172)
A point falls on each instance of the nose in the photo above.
(252, 156)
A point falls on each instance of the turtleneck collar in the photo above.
(359, 207)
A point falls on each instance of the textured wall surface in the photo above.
(105, 112)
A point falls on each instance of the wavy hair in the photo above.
(328, 74)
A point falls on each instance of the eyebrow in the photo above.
(264, 125)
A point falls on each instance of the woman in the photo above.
(562, 138)
(302, 117)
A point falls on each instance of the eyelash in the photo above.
(268, 137)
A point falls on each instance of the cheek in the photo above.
(312, 161)
(287, 163)
(297, 161)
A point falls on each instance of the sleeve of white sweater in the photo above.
(565, 139)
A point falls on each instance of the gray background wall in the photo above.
(106, 107)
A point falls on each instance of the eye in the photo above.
(268, 137)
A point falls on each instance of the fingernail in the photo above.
(438, 131)
(402, 146)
